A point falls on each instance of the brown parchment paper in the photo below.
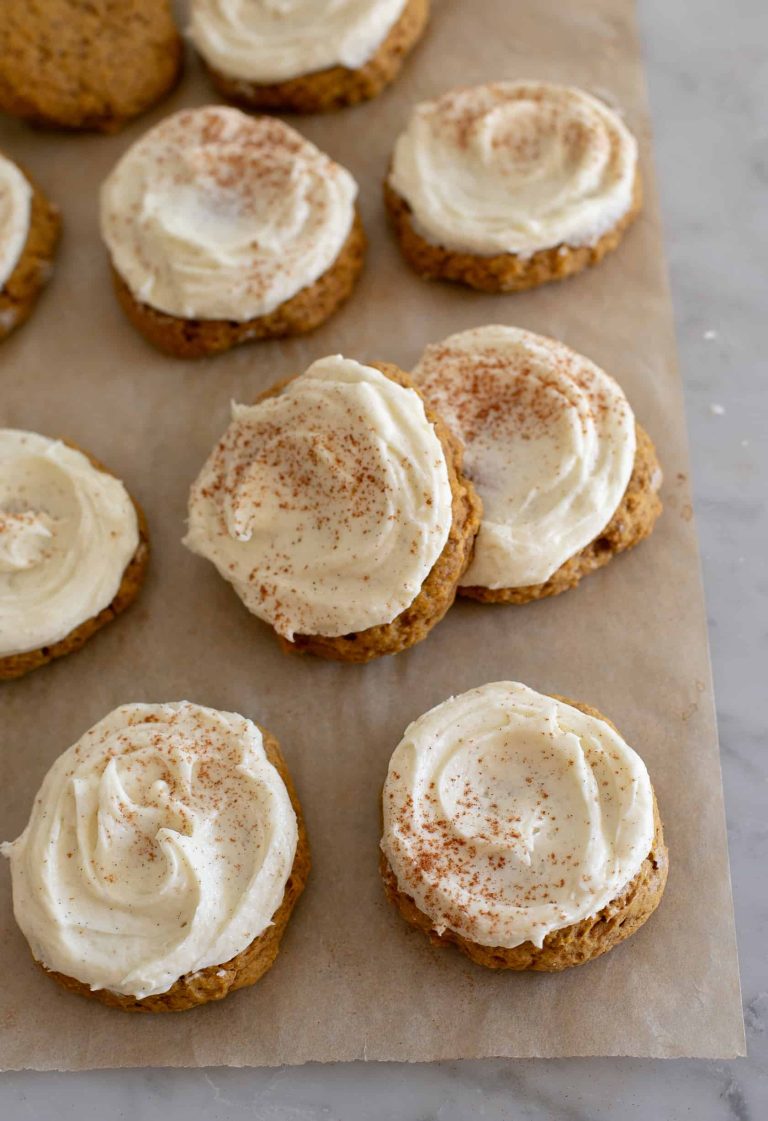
(352, 980)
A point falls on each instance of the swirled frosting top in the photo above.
(159, 844)
(550, 446)
(213, 214)
(276, 40)
(515, 167)
(67, 533)
(327, 504)
(509, 814)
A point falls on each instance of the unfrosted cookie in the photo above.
(29, 231)
(86, 65)
(223, 228)
(509, 185)
(337, 509)
(73, 549)
(306, 56)
(567, 477)
(522, 829)
(187, 898)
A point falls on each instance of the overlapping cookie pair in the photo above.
(350, 505)
(166, 849)
(345, 508)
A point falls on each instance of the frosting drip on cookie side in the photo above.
(550, 446)
(509, 815)
(275, 40)
(515, 167)
(67, 533)
(15, 212)
(327, 505)
(159, 844)
(213, 214)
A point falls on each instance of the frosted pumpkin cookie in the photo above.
(223, 228)
(73, 549)
(86, 65)
(567, 477)
(163, 858)
(305, 56)
(511, 184)
(29, 231)
(336, 508)
(522, 829)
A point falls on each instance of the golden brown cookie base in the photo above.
(18, 295)
(311, 306)
(16, 665)
(505, 272)
(337, 86)
(438, 590)
(68, 64)
(632, 523)
(247, 967)
(573, 945)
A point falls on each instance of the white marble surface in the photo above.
(708, 75)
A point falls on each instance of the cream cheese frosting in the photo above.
(549, 444)
(15, 214)
(213, 214)
(159, 844)
(275, 40)
(327, 505)
(509, 814)
(67, 533)
(515, 167)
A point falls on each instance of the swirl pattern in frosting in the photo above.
(15, 212)
(509, 814)
(159, 844)
(550, 446)
(67, 533)
(213, 214)
(276, 40)
(515, 167)
(326, 505)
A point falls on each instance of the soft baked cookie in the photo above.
(169, 878)
(86, 65)
(29, 231)
(73, 549)
(307, 56)
(223, 228)
(567, 477)
(509, 185)
(337, 509)
(522, 829)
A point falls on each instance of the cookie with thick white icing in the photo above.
(567, 476)
(223, 228)
(305, 56)
(74, 549)
(508, 185)
(162, 859)
(522, 829)
(29, 233)
(336, 508)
